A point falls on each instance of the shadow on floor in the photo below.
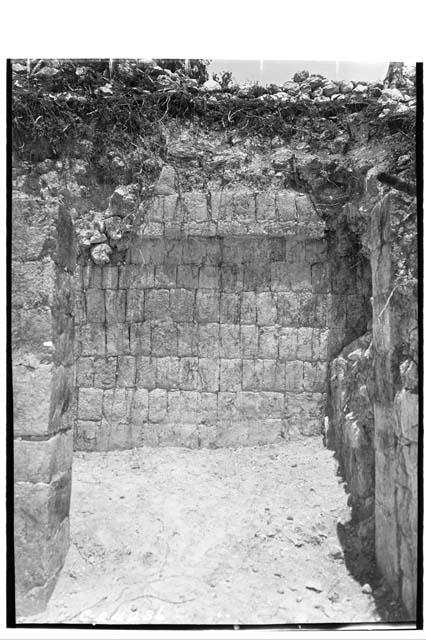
(359, 557)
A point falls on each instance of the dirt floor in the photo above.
(179, 536)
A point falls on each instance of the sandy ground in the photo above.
(179, 536)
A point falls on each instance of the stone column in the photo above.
(42, 396)
(396, 420)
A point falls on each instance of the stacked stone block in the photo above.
(206, 340)
(43, 379)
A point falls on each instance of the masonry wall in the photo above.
(214, 339)
(395, 414)
(42, 360)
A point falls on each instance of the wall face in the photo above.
(207, 340)
(395, 419)
(42, 360)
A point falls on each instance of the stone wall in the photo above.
(43, 354)
(395, 413)
(211, 329)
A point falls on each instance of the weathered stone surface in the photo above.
(40, 461)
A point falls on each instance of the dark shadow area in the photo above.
(357, 540)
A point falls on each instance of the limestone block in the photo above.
(252, 376)
(304, 406)
(288, 308)
(157, 304)
(208, 340)
(315, 376)
(117, 405)
(231, 433)
(62, 387)
(207, 306)
(135, 305)
(173, 252)
(41, 542)
(151, 434)
(165, 276)
(189, 401)
(257, 276)
(109, 277)
(207, 435)
(31, 399)
(208, 374)
(279, 279)
(207, 410)
(117, 339)
(285, 203)
(86, 435)
(232, 278)
(136, 276)
(315, 250)
(274, 376)
(304, 343)
(90, 404)
(248, 307)
(187, 338)
(249, 340)
(320, 274)
(268, 342)
(40, 461)
(126, 371)
(164, 339)
(104, 373)
(296, 250)
(174, 406)
(140, 338)
(320, 344)
(230, 375)
(213, 251)
(271, 404)
(146, 372)
(90, 340)
(248, 405)
(229, 341)
(139, 408)
(147, 251)
(287, 343)
(195, 206)
(79, 307)
(336, 310)
(194, 251)
(342, 279)
(294, 375)
(230, 308)
(407, 414)
(182, 305)
(227, 408)
(243, 207)
(188, 373)
(184, 434)
(171, 211)
(266, 308)
(115, 305)
(265, 432)
(265, 207)
(209, 277)
(187, 276)
(85, 372)
(92, 276)
(238, 250)
(95, 305)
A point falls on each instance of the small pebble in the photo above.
(314, 586)
(298, 599)
(290, 518)
(133, 608)
(367, 589)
